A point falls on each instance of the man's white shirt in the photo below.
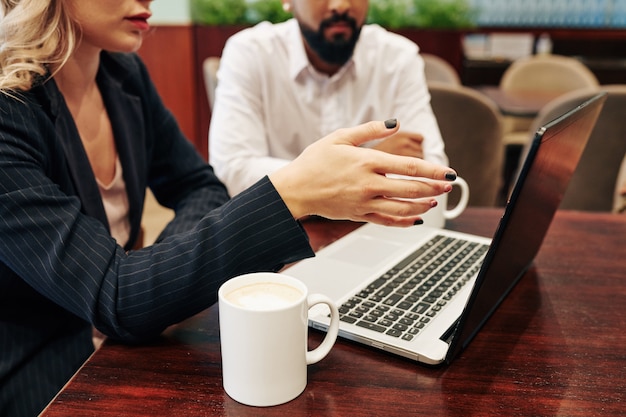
(271, 103)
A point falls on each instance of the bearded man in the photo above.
(282, 86)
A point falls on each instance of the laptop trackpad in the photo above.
(340, 269)
(366, 252)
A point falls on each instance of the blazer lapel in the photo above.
(127, 121)
(83, 179)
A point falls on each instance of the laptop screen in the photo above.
(549, 165)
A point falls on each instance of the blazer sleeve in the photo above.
(68, 257)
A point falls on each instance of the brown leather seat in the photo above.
(549, 73)
(438, 69)
(471, 127)
(594, 182)
(209, 69)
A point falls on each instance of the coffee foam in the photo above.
(264, 296)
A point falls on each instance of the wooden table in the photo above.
(519, 103)
(556, 346)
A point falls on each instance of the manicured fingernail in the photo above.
(450, 176)
(418, 222)
(391, 123)
(433, 203)
(447, 188)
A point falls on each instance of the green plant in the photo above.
(232, 12)
(422, 13)
(218, 12)
(390, 13)
(444, 14)
(270, 10)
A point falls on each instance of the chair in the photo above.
(209, 68)
(439, 70)
(471, 127)
(592, 187)
(619, 200)
(547, 73)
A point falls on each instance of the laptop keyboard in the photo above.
(405, 299)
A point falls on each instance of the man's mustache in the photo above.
(336, 17)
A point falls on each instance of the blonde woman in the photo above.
(82, 134)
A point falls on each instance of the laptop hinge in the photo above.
(449, 334)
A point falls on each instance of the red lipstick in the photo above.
(140, 21)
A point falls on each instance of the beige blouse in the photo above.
(115, 200)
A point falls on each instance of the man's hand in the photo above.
(403, 143)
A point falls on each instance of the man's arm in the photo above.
(238, 143)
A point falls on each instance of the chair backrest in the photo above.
(592, 187)
(439, 70)
(209, 68)
(547, 73)
(471, 127)
(619, 199)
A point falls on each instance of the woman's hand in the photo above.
(337, 179)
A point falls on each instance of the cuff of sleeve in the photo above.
(289, 239)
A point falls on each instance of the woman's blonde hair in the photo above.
(33, 35)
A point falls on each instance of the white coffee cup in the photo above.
(437, 216)
(263, 329)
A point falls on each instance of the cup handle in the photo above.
(462, 204)
(322, 350)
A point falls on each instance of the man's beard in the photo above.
(336, 51)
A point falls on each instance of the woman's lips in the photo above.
(140, 21)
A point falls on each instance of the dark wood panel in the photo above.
(208, 41)
(443, 43)
(169, 55)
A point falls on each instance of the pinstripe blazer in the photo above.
(61, 271)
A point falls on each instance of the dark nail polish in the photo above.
(418, 222)
(391, 123)
(450, 176)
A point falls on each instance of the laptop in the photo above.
(424, 293)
